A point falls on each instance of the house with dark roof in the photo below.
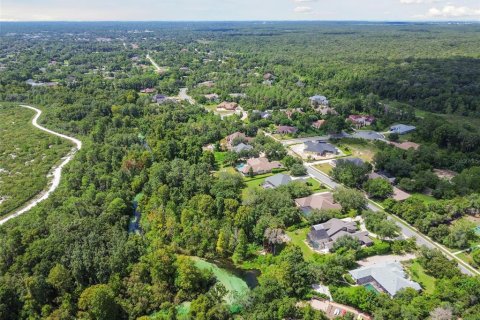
(241, 147)
(319, 201)
(402, 129)
(277, 180)
(319, 148)
(211, 97)
(323, 236)
(159, 98)
(286, 130)
(386, 277)
(356, 161)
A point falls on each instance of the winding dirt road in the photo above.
(56, 172)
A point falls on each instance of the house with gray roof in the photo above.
(319, 148)
(318, 100)
(323, 236)
(402, 129)
(242, 147)
(386, 277)
(277, 181)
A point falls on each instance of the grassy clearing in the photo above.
(364, 152)
(219, 158)
(417, 273)
(425, 198)
(298, 238)
(315, 185)
(27, 154)
(324, 167)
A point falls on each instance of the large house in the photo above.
(319, 148)
(286, 130)
(318, 100)
(323, 236)
(211, 97)
(259, 166)
(277, 180)
(229, 140)
(229, 106)
(386, 277)
(319, 201)
(402, 129)
(241, 147)
(361, 120)
(160, 98)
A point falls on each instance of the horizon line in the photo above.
(265, 20)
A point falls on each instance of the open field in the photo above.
(324, 167)
(417, 274)
(28, 154)
(298, 238)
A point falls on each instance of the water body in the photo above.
(238, 282)
(134, 225)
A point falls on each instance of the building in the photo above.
(318, 124)
(147, 90)
(236, 135)
(277, 181)
(268, 76)
(206, 84)
(286, 130)
(318, 100)
(242, 147)
(356, 161)
(259, 166)
(211, 97)
(386, 277)
(325, 110)
(402, 129)
(323, 236)
(319, 148)
(334, 310)
(400, 195)
(159, 98)
(361, 120)
(263, 114)
(229, 106)
(319, 201)
(382, 175)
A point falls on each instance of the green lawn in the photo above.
(316, 186)
(425, 198)
(417, 274)
(324, 167)
(219, 157)
(298, 238)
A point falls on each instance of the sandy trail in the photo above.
(56, 173)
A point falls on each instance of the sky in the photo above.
(227, 10)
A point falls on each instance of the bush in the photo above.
(378, 248)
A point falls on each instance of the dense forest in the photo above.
(75, 256)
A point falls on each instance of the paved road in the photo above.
(182, 95)
(56, 174)
(407, 230)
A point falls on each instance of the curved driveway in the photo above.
(56, 173)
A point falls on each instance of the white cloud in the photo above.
(302, 10)
(450, 11)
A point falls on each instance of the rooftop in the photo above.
(277, 180)
(319, 147)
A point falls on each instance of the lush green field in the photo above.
(27, 155)
(417, 273)
(298, 238)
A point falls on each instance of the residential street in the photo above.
(407, 230)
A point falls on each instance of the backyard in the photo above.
(417, 274)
